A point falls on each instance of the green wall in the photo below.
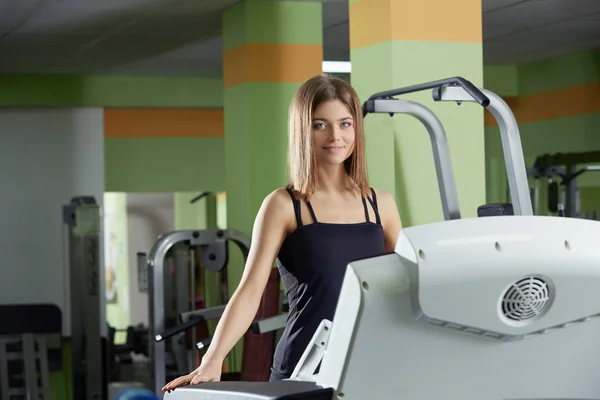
(107, 91)
(559, 73)
(136, 164)
(502, 80)
(164, 164)
(552, 134)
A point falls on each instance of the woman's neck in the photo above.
(333, 179)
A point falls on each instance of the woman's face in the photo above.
(333, 133)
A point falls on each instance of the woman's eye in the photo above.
(346, 124)
(319, 126)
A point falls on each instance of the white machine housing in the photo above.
(496, 308)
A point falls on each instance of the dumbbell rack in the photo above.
(24, 359)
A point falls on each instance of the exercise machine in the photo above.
(38, 345)
(121, 355)
(88, 348)
(190, 319)
(30, 349)
(563, 167)
(501, 307)
(128, 359)
(169, 338)
(177, 336)
(162, 298)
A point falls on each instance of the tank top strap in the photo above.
(366, 210)
(373, 202)
(297, 210)
(312, 212)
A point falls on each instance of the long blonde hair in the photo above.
(302, 162)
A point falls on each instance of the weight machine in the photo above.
(88, 349)
(168, 333)
(184, 286)
(563, 166)
(213, 244)
(466, 308)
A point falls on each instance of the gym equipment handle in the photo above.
(203, 344)
(179, 328)
(471, 89)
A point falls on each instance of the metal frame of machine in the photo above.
(214, 259)
(460, 90)
(564, 166)
(214, 242)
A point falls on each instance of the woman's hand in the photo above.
(209, 371)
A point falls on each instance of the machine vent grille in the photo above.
(525, 299)
(474, 331)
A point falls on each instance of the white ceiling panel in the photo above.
(77, 16)
(146, 68)
(591, 17)
(15, 12)
(32, 39)
(171, 37)
(193, 24)
(492, 5)
(531, 14)
(518, 56)
(567, 31)
(195, 6)
(335, 13)
(76, 25)
(210, 49)
(500, 47)
(504, 53)
(336, 42)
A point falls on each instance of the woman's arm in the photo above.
(390, 219)
(270, 229)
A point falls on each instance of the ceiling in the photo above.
(182, 37)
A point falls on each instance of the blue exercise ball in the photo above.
(136, 394)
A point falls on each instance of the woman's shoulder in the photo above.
(383, 196)
(278, 202)
(388, 208)
(279, 197)
(278, 206)
(386, 203)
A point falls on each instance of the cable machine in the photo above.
(561, 172)
(214, 254)
(88, 358)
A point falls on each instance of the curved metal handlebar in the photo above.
(471, 89)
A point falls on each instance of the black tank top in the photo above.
(312, 262)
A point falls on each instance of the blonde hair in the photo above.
(302, 162)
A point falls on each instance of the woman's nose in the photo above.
(335, 134)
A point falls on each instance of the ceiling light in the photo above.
(337, 67)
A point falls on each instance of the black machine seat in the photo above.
(279, 390)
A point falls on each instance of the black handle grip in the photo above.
(254, 327)
(475, 93)
(179, 328)
(471, 89)
(203, 344)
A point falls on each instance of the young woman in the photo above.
(325, 218)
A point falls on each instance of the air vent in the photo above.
(526, 299)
